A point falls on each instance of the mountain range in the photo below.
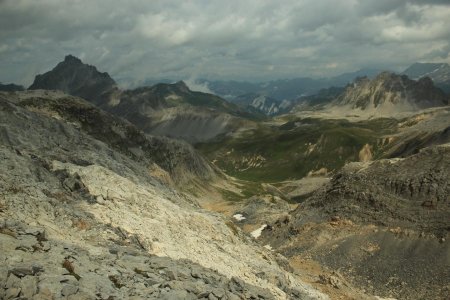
(161, 192)
(280, 96)
(284, 89)
(163, 109)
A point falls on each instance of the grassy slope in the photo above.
(292, 150)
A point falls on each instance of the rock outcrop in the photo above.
(393, 192)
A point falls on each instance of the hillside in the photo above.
(88, 211)
(376, 224)
(295, 147)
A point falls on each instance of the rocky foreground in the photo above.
(89, 211)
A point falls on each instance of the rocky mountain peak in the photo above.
(392, 92)
(74, 77)
(72, 59)
(438, 72)
(182, 86)
(360, 80)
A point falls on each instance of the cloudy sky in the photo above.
(232, 39)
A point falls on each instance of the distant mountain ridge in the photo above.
(439, 72)
(283, 89)
(264, 104)
(391, 92)
(11, 87)
(319, 100)
(171, 110)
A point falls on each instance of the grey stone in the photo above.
(212, 297)
(3, 276)
(10, 223)
(219, 293)
(172, 275)
(35, 231)
(12, 293)
(29, 286)
(82, 295)
(26, 243)
(100, 199)
(203, 295)
(46, 246)
(69, 289)
(175, 294)
(12, 282)
(231, 296)
(24, 270)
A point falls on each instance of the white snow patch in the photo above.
(239, 217)
(257, 233)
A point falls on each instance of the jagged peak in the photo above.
(389, 89)
(72, 59)
(182, 85)
(76, 78)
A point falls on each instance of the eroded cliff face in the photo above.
(391, 93)
(84, 216)
(378, 223)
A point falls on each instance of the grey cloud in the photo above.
(443, 53)
(252, 40)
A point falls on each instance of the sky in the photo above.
(253, 40)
